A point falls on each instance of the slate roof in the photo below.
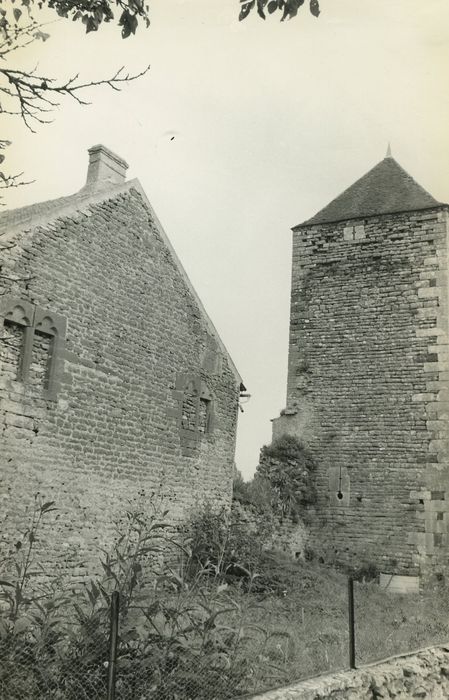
(385, 189)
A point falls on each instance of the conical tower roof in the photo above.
(385, 189)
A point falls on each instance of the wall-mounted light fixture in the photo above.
(243, 395)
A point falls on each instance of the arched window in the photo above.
(31, 344)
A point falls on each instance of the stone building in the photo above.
(113, 381)
(368, 375)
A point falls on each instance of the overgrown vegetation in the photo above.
(198, 618)
(232, 546)
(308, 601)
(183, 629)
(284, 482)
(288, 467)
(222, 543)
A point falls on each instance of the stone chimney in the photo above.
(105, 168)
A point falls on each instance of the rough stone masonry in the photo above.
(423, 674)
(368, 378)
(113, 381)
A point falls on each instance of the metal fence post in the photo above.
(113, 638)
(351, 622)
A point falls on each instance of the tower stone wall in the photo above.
(368, 385)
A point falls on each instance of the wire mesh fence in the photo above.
(209, 644)
(160, 622)
(63, 663)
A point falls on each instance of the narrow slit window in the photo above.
(204, 415)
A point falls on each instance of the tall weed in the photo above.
(183, 631)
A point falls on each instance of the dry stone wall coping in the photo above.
(422, 674)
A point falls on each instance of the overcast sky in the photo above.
(271, 121)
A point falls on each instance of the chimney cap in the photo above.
(105, 167)
(100, 148)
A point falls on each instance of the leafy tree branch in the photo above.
(91, 13)
(286, 8)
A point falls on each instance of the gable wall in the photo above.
(134, 340)
(368, 386)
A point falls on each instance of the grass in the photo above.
(305, 630)
(298, 630)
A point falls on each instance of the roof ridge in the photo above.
(40, 213)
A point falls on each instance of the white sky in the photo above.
(271, 121)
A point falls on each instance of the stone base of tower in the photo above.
(399, 584)
(351, 525)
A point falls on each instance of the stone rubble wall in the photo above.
(115, 431)
(289, 536)
(424, 674)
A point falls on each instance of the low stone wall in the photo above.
(289, 537)
(423, 674)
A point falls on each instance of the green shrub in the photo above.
(277, 574)
(366, 572)
(309, 553)
(240, 488)
(222, 543)
(288, 467)
(234, 550)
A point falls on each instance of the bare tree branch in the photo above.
(8, 181)
(31, 93)
(33, 97)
